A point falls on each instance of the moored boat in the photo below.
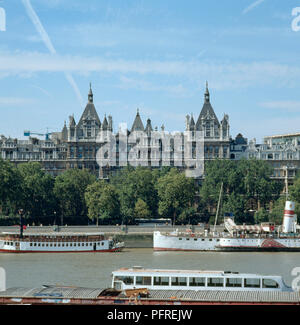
(263, 237)
(160, 279)
(57, 242)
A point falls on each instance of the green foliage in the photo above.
(37, 198)
(141, 209)
(188, 216)
(262, 215)
(276, 215)
(243, 181)
(69, 189)
(133, 184)
(10, 187)
(102, 202)
(176, 192)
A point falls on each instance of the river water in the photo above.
(93, 270)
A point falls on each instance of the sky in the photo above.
(153, 55)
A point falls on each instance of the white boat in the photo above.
(159, 279)
(264, 237)
(57, 242)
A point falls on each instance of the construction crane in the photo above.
(28, 133)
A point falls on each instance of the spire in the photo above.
(90, 96)
(137, 124)
(104, 124)
(206, 94)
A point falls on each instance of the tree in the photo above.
(245, 182)
(176, 192)
(133, 184)
(276, 215)
(102, 202)
(141, 209)
(69, 189)
(10, 187)
(261, 215)
(37, 197)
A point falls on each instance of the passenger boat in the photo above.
(159, 279)
(263, 237)
(57, 242)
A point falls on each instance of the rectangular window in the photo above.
(161, 280)
(197, 282)
(252, 283)
(269, 283)
(125, 279)
(143, 280)
(233, 282)
(215, 282)
(178, 281)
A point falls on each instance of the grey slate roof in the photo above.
(137, 124)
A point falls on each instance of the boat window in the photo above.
(143, 280)
(187, 239)
(195, 238)
(203, 239)
(161, 280)
(233, 282)
(30, 244)
(180, 238)
(269, 283)
(197, 282)
(215, 282)
(125, 279)
(252, 283)
(178, 281)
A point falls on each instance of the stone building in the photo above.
(94, 145)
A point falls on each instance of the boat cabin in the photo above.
(158, 279)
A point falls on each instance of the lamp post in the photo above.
(21, 212)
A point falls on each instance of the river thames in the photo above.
(94, 269)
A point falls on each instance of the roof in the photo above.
(207, 111)
(137, 124)
(53, 291)
(233, 296)
(89, 113)
(142, 270)
(54, 233)
(65, 292)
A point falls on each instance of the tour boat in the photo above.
(263, 237)
(138, 277)
(57, 242)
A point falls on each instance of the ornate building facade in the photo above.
(94, 145)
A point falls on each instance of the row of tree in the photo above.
(247, 191)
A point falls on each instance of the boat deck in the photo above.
(94, 296)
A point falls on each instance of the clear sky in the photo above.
(155, 55)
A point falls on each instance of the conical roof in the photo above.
(137, 124)
(207, 111)
(90, 111)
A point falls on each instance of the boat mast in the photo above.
(218, 207)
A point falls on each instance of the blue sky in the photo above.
(153, 55)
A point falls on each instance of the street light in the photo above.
(21, 212)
